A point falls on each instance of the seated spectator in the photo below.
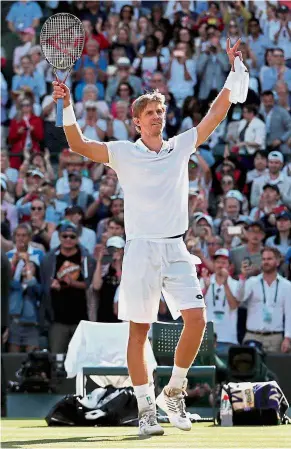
(24, 301)
(260, 164)
(275, 176)
(23, 247)
(75, 196)
(93, 127)
(270, 205)
(124, 93)
(41, 230)
(87, 237)
(40, 162)
(18, 97)
(228, 188)
(27, 36)
(25, 132)
(149, 62)
(278, 72)
(73, 163)
(66, 273)
(115, 227)
(121, 127)
(91, 58)
(213, 243)
(232, 207)
(123, 41)
(8, 210)
(123, 75)
(92, 12)
(257, 41)
(23, 15)
(107, 278)
(163, 49)
(38, 61)
(11, 174)
(89, 77)
(202, 231)
(99, 37)
(90, 93)
(30, 78)
(280, 31)
(282, 239)
(220, 291)
(116, 210)
(267, 298)
(182, 72)
(279, 123)
(250, 253)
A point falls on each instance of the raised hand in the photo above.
(61, 91)
(232, 52)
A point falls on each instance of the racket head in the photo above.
(62, 40)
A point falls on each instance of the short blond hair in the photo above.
(139, 105)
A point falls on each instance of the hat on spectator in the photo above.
(222, 252)
(272, 186)
(28, 30)
(91, 104)
(206, 217)
(76, 174)
(194, 158)
(283, 8)
(123, 62)
(66, 225)
(35, 172)
(276, 156)
(116, 242)
(284, 214)
(258, 224)
(235, 194)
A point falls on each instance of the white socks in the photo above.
(178, 377)
(145, 396)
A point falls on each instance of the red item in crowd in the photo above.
(17, 139)
(100, 38)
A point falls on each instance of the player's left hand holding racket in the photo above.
(62, 40)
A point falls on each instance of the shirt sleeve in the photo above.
(115, 154)
(186, 141)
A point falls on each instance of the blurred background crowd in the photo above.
(62, 226)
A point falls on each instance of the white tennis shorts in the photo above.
(152, 267)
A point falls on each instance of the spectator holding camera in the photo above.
(267, 298)
(66, 273)
(220, 291)
(105, 282)
(282, 239)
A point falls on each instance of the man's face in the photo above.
(283, 224)
(74, 183)
(92, 114)
(268, 102)
(74, 218)
(269, 262)
(89, 76)
(275, 167)
(22, 239)
(36, 181)
(260, 162)
(26, 65)
(278, 57)
(151, 120)
(92, 48)
(213, 244)
(270, 195)
(254, 28)
(220, 263)
(116, 207)
(232, 207)
(157, 82)
(74, 166)
(115, 229)
(123, 72)
(68, 239)
(255, 235)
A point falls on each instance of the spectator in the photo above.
(275, 176)
(280, 31)
(123, 41)
(30, 188)
(229, 240)
(115, 227)
(269, 204)
(121, 127)
(24, 302)
(8, 210)
(124, 93)
(116, 210)
(76, 197)
(252, 134)
(282, 93)
(257, 41)
(25, 132)
(232, 207)
(267, 297)
(55, 208)
(8, 173)
(30, 78)
(4, 100)
(93, 127)
(278, 123)
(260, 164)
(238, 12)
(27, 36)
(66, 274)
(220, 291)
(23, 15)
(106, 283)
(250, 253)
(37, 59)
(74, 163)
(87, 237)
(149, 62)
(92, 12)
(99, 37)
(23, 246)
(41, 230)
(92, 59)
(278, 72)
(199, 173)
(282, 239)
(90, 93)
(159, 21)
(123, 75)
(90, 76)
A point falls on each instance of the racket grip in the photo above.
(60, 107)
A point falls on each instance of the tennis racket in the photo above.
(62, 40)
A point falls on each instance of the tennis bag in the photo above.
(103, 407)
(254, 403)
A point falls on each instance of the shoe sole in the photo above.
(160, 401)
(155, 433)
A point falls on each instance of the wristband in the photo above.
(69, 117)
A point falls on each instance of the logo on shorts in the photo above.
(199, 296)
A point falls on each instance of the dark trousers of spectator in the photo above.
(54, 139)
(60, 336)
(241, 323)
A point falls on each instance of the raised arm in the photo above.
(95, 151)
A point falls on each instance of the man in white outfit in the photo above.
(154, 177)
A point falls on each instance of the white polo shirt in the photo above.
(268, 306)
(155, 185)
(217, 308)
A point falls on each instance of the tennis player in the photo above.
(154, 176)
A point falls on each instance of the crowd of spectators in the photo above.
(62, 224)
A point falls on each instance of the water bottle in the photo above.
(226, 412)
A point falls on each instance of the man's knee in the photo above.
(138, 332)
(195, 318)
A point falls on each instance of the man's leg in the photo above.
(144, 391)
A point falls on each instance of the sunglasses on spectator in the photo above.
(25, 104)
(69, 236)
(36, 208)
(227, 182)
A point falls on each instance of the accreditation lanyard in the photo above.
(216, 296)
(264, 293)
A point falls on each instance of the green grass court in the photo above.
(35, 434)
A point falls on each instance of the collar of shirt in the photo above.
(164, 148)
(281, 178)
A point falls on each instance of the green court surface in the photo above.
(35, 434)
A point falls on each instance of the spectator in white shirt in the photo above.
(280, 31)
(92, 126)
(268, 300)
(252, 131)
(275, 176)
(220, 291)
(282, 240)
(74, 164)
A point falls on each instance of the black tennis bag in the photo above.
(116, 407)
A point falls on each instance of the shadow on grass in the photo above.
(90, 439)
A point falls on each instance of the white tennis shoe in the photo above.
(148, 424)
(172, 402)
